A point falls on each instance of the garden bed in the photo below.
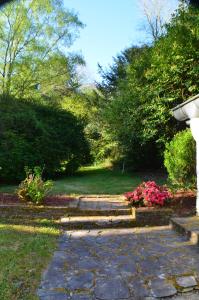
(55, 200)
(183, 204)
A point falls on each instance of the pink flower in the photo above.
(148, 194)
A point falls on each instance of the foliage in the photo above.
(126, 124)
(34, 37)
(180, 159)
(33, 188)
(148, 194)
(35, 134)
(142, 86)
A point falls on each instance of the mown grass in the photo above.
(99, 179)
(25, 251)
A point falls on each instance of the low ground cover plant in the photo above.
(33, 188)
(149, 194)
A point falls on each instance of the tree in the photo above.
(156, 13)
(34, 36)
(194, 3)
(138, 93)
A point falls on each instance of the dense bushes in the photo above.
(180, 159)
(34, 134)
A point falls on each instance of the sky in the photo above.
(110, 27)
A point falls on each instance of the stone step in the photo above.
(102, 203)
(95, 222)
(187, 226)
(100, 212)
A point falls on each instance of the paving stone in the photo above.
(87, 264)
(53, 280)
(53, 295)
(162, 288)
(111, 289)
(81, 281)
(186, 281)
(129, 267)
(82, 297)
(187, 296)
(138, 288)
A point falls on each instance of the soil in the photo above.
(183, 203)
(58, 200)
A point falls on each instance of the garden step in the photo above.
(91, 222)
(100, 212)
(187, 226)
(102, 202)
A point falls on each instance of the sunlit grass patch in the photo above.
(24, 253)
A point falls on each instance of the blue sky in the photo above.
(111, 26)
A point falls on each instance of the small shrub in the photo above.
(33, 188)
(180, 160)
(148, 194)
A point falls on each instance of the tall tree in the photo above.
(156, 13)
(34, 36)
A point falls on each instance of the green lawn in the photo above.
(99, 179)
(25, 251)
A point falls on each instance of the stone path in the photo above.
(116, 264)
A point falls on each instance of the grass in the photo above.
(25, 251)
(99, 179)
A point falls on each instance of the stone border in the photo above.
(152, 216)
(192, 235)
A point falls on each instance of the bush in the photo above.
(33, 188)
(35, 134)
(148, 194)
(180, 160)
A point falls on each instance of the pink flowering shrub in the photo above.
(148, 194)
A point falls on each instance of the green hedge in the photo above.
(180, 159)
(35, 134)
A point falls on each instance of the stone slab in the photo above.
(186, 281)
(111, 289)
(161, 288)
(188, 227)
